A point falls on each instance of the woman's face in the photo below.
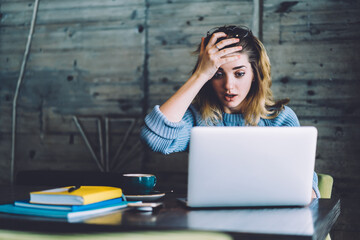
(232, 83)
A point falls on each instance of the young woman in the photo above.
(230, 86)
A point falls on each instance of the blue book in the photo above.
(27, 204)
(69, 215)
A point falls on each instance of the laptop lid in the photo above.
(251, 166)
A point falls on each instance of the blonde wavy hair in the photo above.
(259, 103)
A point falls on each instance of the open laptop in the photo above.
(251, 166)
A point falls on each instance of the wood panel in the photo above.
(86, 60)
(68, 11)
(5, 154)
(328, 61)
(68, 152)
(314, 53)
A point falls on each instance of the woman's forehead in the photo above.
(242, 61)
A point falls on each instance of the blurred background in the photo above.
(95, 68)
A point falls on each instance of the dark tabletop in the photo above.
(311, 222)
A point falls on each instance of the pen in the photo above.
(73, 188)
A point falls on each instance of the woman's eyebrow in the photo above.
(238, 67)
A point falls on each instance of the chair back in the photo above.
(325, 185)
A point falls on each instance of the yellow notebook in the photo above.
(81, 196)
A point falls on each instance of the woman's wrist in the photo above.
(199, 76)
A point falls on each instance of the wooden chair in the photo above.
(325, 185)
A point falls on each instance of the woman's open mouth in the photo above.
(230, 97)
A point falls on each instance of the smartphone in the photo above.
(145, 206)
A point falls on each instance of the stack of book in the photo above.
(71, 203)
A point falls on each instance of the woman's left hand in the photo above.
(313, 194)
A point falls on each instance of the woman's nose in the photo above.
(229, 83)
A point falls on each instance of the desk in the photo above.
(312, 222)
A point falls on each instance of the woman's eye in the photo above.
(239, 74)
(218, 75)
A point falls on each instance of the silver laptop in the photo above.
(251, 166)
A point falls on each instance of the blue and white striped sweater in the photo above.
(167, 137)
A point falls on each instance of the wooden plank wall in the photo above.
(86, 60)
(314, 54)
(118, 58)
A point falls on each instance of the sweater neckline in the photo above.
(233, 118)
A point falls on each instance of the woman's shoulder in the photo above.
(288, 112)
(286, 117)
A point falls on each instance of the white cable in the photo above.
(16, 95)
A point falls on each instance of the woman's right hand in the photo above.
(211, 57)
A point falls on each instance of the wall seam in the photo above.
(145, 77)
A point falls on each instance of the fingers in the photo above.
(227, 59)
(211, 57)
(214, 48)
(228, 51)
(226, 42)
(215, 37)
(202, 45)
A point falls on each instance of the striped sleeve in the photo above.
(315, 184)
(162, 135)
(286, 118)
